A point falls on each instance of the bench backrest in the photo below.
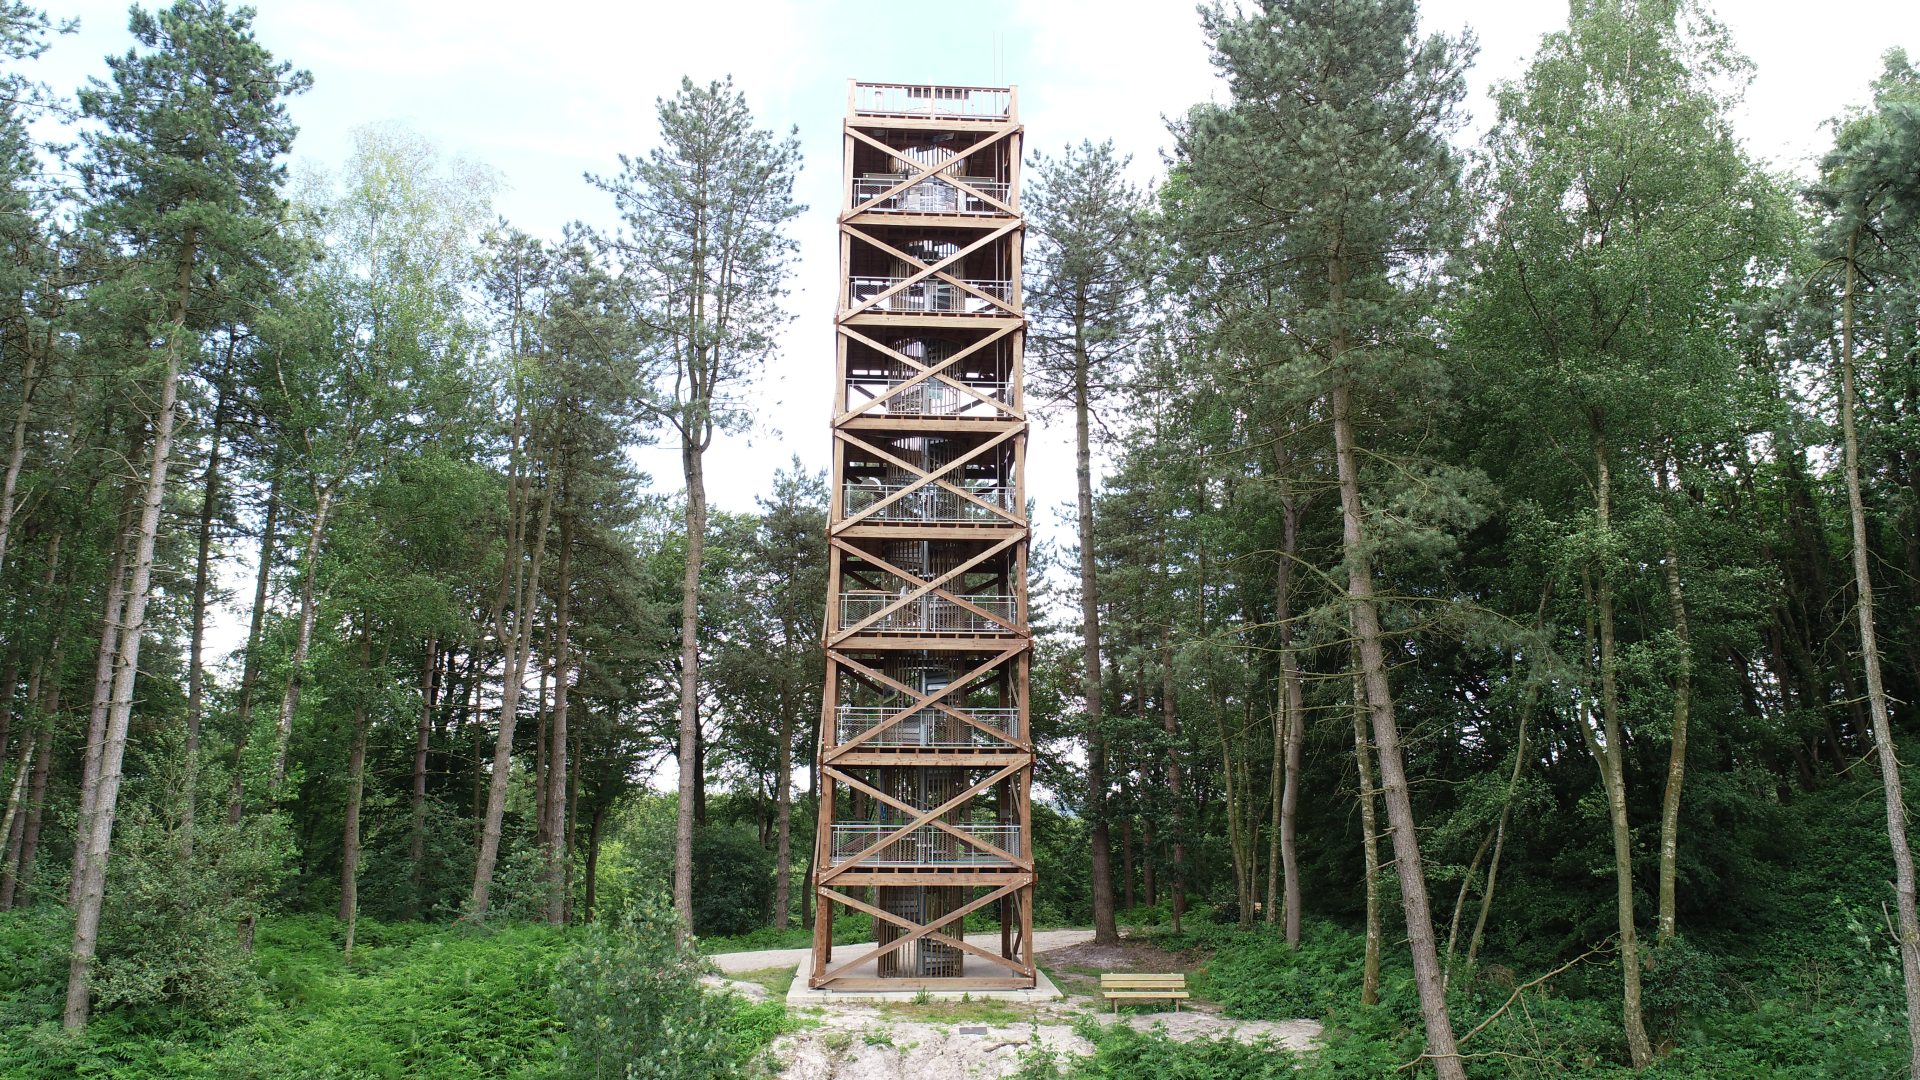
(1143, 982)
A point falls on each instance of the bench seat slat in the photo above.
(1160, 995)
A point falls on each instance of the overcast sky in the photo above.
(545, 92)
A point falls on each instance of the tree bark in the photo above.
(783, 815)
(250, 667)
(1363, 760)
(1682, 703)
(417, 839)
(1908, 910)
(1428, 978)
(302, 642)
(690, 763)
(92, 893)
(556, 826)
(103, 667)
(1170, 725)
(1295, 713)
(196, 665)
(17, 456)
(519, 646)
(1506, 812)
(1105, 931)
(356, 786)
(1609, 751)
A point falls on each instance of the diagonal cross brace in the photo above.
(936, 372)
(928, 815)
(924, 478)
(924, 586)
(917, 934)
(926, 172)
(908, 924)
(924, 701)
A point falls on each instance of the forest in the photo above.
(1486, 628)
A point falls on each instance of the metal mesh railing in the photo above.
(928, 727)
(925, 846)
(930, 196)
(932, 503)
(902, 99)
(929, 295)
(931, 397)
(928, 614)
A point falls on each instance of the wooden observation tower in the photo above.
(925, 760)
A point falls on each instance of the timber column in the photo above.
(926, 762)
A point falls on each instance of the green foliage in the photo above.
(732, 881)
(631, 1001)
(172, 925)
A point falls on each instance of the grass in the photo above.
(957, 1012)
(777, 980)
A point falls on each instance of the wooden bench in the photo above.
(1119, 988)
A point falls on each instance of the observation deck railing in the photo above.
(928, 614)
(928, 727)
(931, 504)
(925, 846)
(932, 196)
(920, 100)
(930, 295)
(929, 397)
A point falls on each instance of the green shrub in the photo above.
(732, 881)
(631, 1001)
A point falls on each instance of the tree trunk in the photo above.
(1609, 752)
(690, 763)
(303, 640)
(519, 646)
(783, 818)
(250, 667)
(556, 828)
(1386, 736)
(1126, 861)
(103, 666)
(1170, 725)
(19, 868)
(593, 858)
(1363, 760)
(1295, 713)
(417, 839)
(18, 454)
(196, 665)
(1105, 931)
(1682, 702)
(1506, 812)
(1909, 912)
(356, 786)
(92, 893)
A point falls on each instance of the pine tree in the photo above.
(1329, 176)
(184, 173)
(706, 256)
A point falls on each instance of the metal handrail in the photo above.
(931, 196)
(927, 727)
(925, 846)
(930, 614)
(932, 503)
(929, 294)
(909, 99)
(931, 397)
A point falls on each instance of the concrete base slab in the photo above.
(800, 993)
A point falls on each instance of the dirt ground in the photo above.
(989, 1039)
